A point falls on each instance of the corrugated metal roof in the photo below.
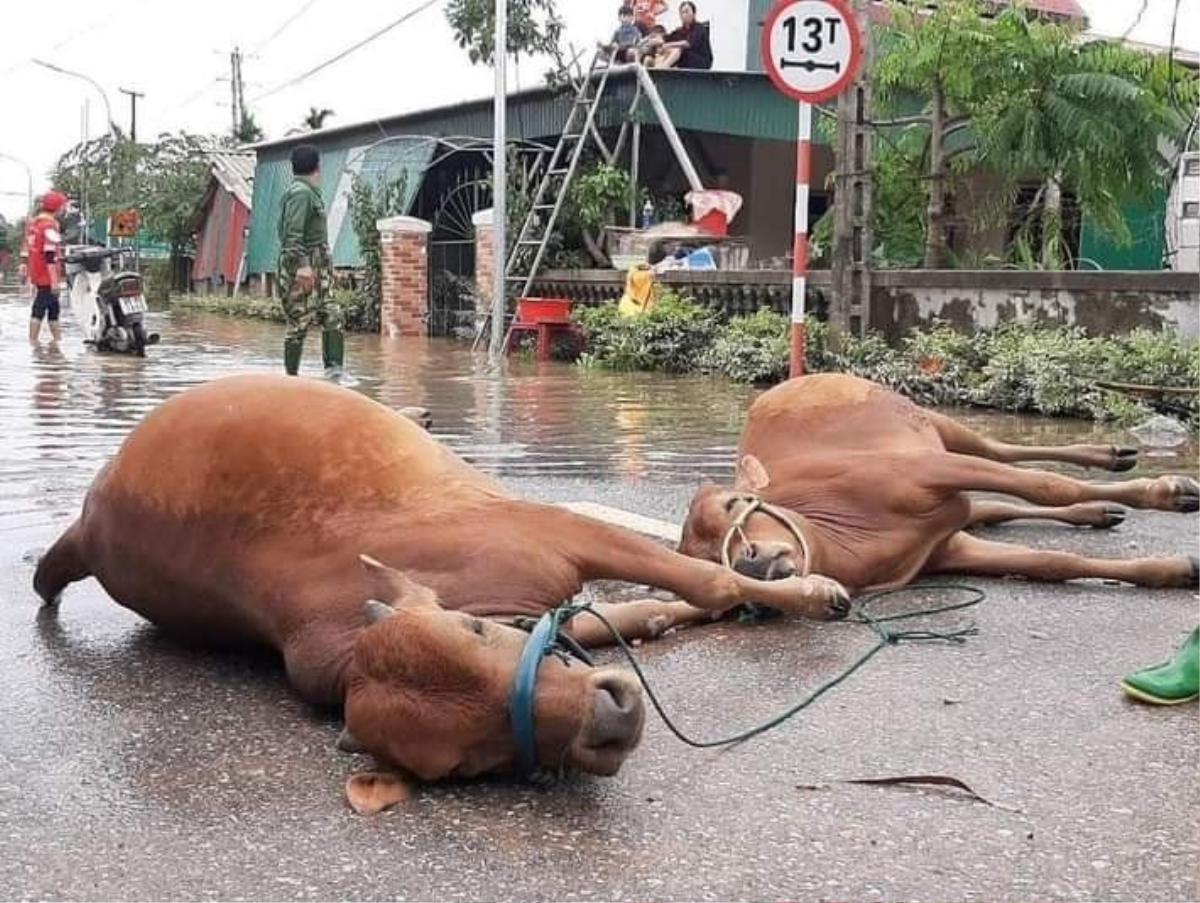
(539, 113)
(234, 170)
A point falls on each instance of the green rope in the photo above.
(860, 614)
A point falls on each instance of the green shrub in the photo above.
(256, 307)
(751, 349)
(1034, 368)
(672, 337)
(1016, 367)
(359, 310)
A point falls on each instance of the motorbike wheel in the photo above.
(139, 339)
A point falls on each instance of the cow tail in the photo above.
(61, 565)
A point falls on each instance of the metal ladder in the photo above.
(529, 249)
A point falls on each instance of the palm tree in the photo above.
(1094, 118)
(315, 120)
(248, 130)
(1022, 97)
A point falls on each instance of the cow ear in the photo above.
(369, 792)
(396, 589)
(752, 475)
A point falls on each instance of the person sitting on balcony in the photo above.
(626, 38)
(646, 13)
(688, 46)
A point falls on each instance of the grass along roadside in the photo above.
(360, 314)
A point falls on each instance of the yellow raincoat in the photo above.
(640, 293)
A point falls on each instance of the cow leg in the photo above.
(600, 551)
(966, 554)
(957, 438)
(645, 619)
(964, 473)
(1086, 514)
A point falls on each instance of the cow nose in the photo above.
(765, 561)
(618, 712)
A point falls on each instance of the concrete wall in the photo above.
(1102, 303)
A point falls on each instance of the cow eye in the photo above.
(477, 626)
(730, 503)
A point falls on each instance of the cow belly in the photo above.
(831, 412)
(182, 576)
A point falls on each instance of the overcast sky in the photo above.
(176, 53)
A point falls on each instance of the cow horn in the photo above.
(377, 611)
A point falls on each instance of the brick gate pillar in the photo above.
(404, 265)
(485, 263)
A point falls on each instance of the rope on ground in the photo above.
(860, 614)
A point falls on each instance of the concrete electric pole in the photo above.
(133, 99)
(852, 238)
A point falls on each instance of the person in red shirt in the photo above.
(646, 13)
(44, 242)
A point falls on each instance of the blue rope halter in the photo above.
(546, 638)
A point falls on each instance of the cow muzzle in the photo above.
(615, 728)
(766, 560)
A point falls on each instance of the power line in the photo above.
(1137, 20)
(196, 95)
(286, 24)
(94, 25)
(420, 8)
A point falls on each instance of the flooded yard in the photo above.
(64, 411)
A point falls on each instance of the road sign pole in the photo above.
(810, 51)
(800, 244)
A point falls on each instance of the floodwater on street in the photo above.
(134, 767)
(64, 411)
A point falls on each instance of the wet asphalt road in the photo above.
(132, 768)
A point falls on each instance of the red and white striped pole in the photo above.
(800, 245)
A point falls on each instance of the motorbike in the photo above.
(108, 300)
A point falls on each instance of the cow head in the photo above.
(762, 547)
(430, 688)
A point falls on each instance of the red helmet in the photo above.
(53, 201)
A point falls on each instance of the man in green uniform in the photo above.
(305, 270)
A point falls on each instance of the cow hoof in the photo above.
(1124, 457)
(839, 606)
(1113, 516)
(1187, 495)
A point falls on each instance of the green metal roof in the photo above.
(739, 104)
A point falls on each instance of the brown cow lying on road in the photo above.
(237, 512)
(863, 486)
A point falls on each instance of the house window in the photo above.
(1191, 209)
(1191, 166)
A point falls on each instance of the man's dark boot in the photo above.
(293, 350)
(333, 350)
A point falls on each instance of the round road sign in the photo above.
(811, 48)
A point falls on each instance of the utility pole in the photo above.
(852, 237)
(133, 99)
(499, 185)
(235, 84)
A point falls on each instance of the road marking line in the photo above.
(650, 526)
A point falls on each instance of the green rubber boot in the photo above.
(333, 350)
(1170, 683)
(292, 352)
